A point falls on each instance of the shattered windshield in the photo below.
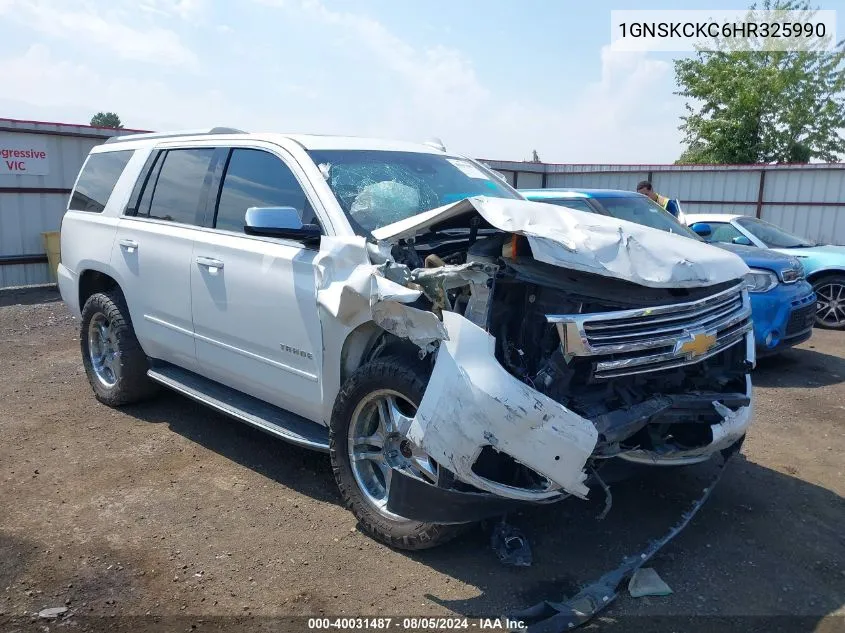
(376, 188)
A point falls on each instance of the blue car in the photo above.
(783, 304)
(824, 265)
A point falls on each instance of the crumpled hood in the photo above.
(590, 242)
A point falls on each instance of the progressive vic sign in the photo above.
(23, 155)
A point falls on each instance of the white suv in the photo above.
(457, 349)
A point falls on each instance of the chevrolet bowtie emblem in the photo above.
(700, 344)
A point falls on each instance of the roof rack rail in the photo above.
(155, 135)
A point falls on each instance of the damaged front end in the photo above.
(560, 341)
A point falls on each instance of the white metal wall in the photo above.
(33, 204)
(806, 199)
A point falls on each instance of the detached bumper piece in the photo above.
(473, 406)
(555, 617)
(415, 499)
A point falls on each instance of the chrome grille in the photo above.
(662, 337)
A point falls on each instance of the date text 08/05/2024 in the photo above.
(411, 623)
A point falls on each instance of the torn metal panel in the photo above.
(732, 428)
(448, 277)
(435, 282)
(344, 278)
(471, 402)
(352, 290)
(590, 242)
(554, 617)
(421, 327)
(478, 306)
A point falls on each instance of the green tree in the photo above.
(751, 103)
(106, 119)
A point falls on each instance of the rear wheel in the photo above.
(369, 442)
(114, 361)
(830, 302)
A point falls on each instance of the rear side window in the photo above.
(179, 187)
(97, 180)
(255, 178)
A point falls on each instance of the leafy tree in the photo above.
(752, 103)
(106, 119)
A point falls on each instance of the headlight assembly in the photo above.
(759, 280)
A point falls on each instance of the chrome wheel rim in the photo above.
(830, 304)
(378, 445)
(102, 350)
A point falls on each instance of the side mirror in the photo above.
(702, 228)
(742, 241)
(280, 222)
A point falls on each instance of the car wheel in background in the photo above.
(830, 302)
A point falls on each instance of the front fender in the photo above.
(472, 402)
(817, 273)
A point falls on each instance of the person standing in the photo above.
(671, 205)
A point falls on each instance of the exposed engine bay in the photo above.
(540, 373)
(661, 412)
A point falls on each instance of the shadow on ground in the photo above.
(28, 296)
(799, 367)
(724, 545)
(306, 471)
(39, 576)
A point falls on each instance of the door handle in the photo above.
(130, 245)
(212, 264)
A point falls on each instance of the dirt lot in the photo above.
(170, 511)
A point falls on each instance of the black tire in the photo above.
(407, 378)
(131, 382)
(820, 284)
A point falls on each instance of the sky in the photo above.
(493, 79)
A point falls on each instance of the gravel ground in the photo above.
(168, 516)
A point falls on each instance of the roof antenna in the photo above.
(436, 143)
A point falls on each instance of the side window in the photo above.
(255, 178)
(723, 232)
(98, 178)
(177, 190)
(145, 186)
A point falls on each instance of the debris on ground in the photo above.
(553, 617)
(45, 394)
(646, 582)
(510, 545)
(52, 613)
(608, 498)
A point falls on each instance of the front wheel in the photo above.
(368, 442)
(114, 361)
(830, 302)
